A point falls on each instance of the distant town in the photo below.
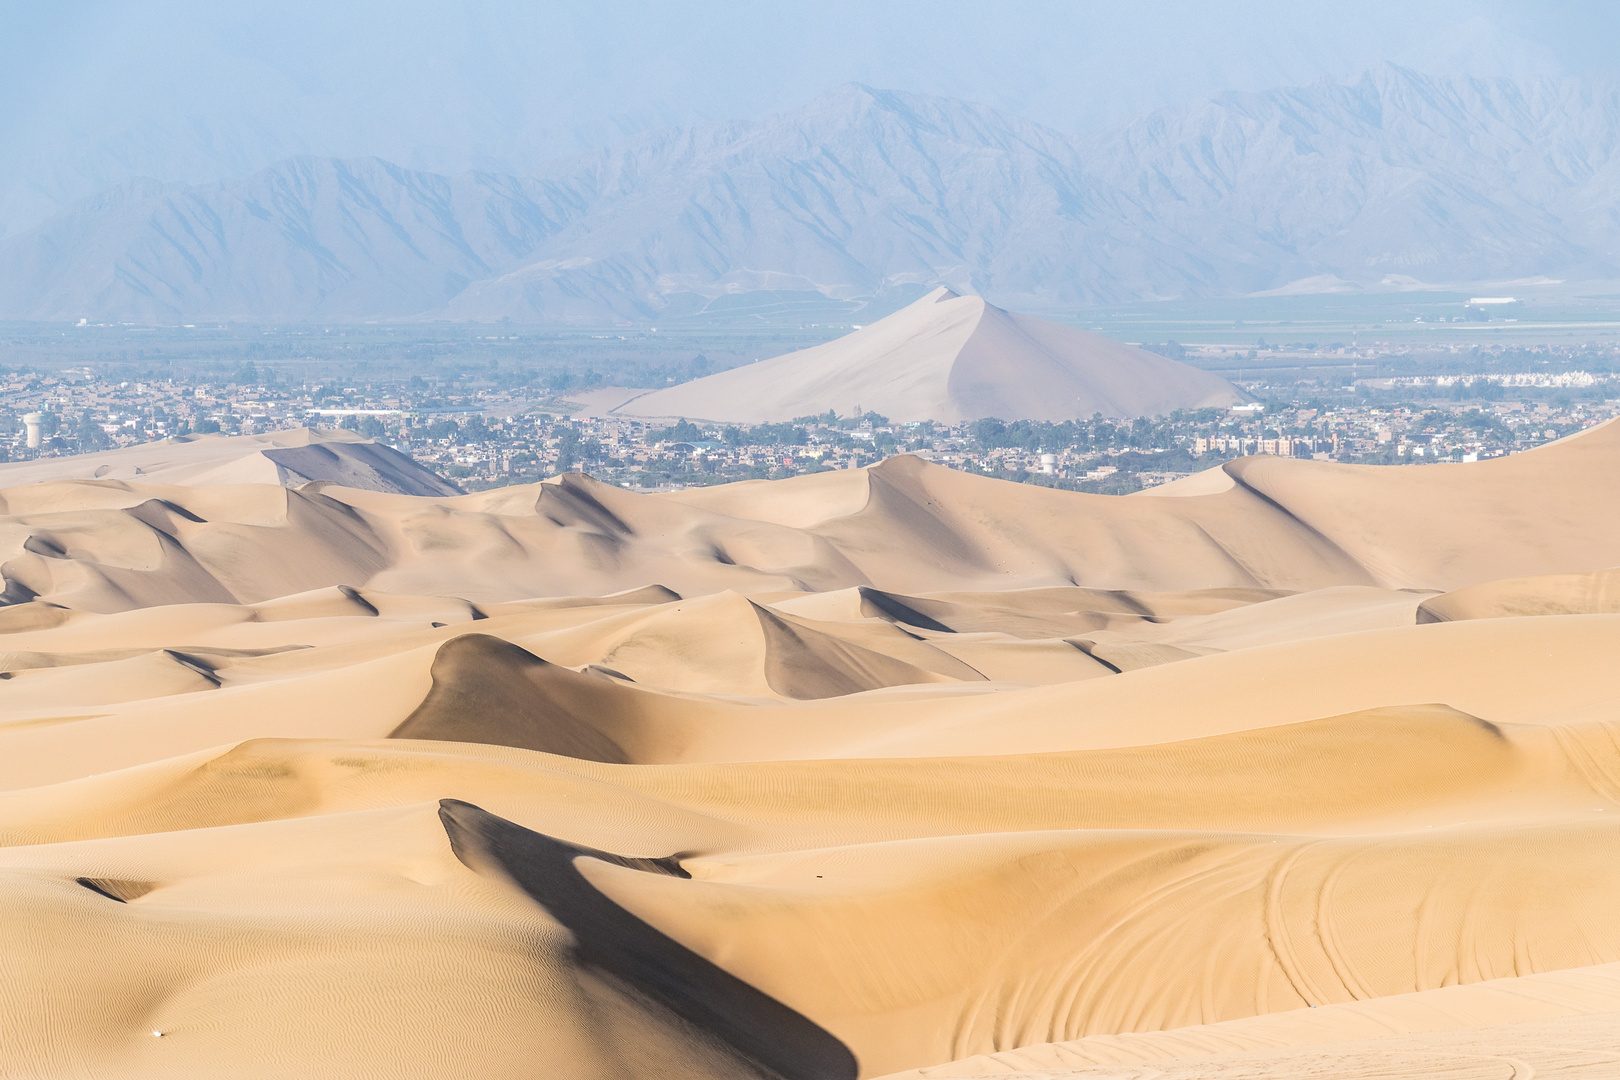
(489, 432)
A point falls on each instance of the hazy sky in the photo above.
(96, 91)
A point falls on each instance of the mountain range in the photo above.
(865, 193)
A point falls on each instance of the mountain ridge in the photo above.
(866, 190)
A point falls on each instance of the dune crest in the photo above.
(754, 1025)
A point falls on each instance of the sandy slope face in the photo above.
(889, 771)
(948, 358)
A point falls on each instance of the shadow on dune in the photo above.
(611, 940)
(487, 690)
(902, 610)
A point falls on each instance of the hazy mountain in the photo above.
(1440, 179)
(859, 189)
(865, 190)
(102, 92)
(310, 238)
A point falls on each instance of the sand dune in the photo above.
(1301, 770)
(903, 526)
(948, 358)
(1550, 594)
(288, 458)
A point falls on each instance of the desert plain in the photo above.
(1290, 768)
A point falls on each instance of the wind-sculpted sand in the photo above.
(1294, 769)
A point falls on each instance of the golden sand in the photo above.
(1304, 769)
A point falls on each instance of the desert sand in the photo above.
(288, 458)
(1293, 768)
(948, 358)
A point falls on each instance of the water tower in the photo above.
(31, 422)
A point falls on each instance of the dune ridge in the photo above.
(755, 1025)
(1303, 769)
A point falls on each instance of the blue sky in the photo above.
(92, 93)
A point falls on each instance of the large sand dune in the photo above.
(948, 358)
(1305, 769)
